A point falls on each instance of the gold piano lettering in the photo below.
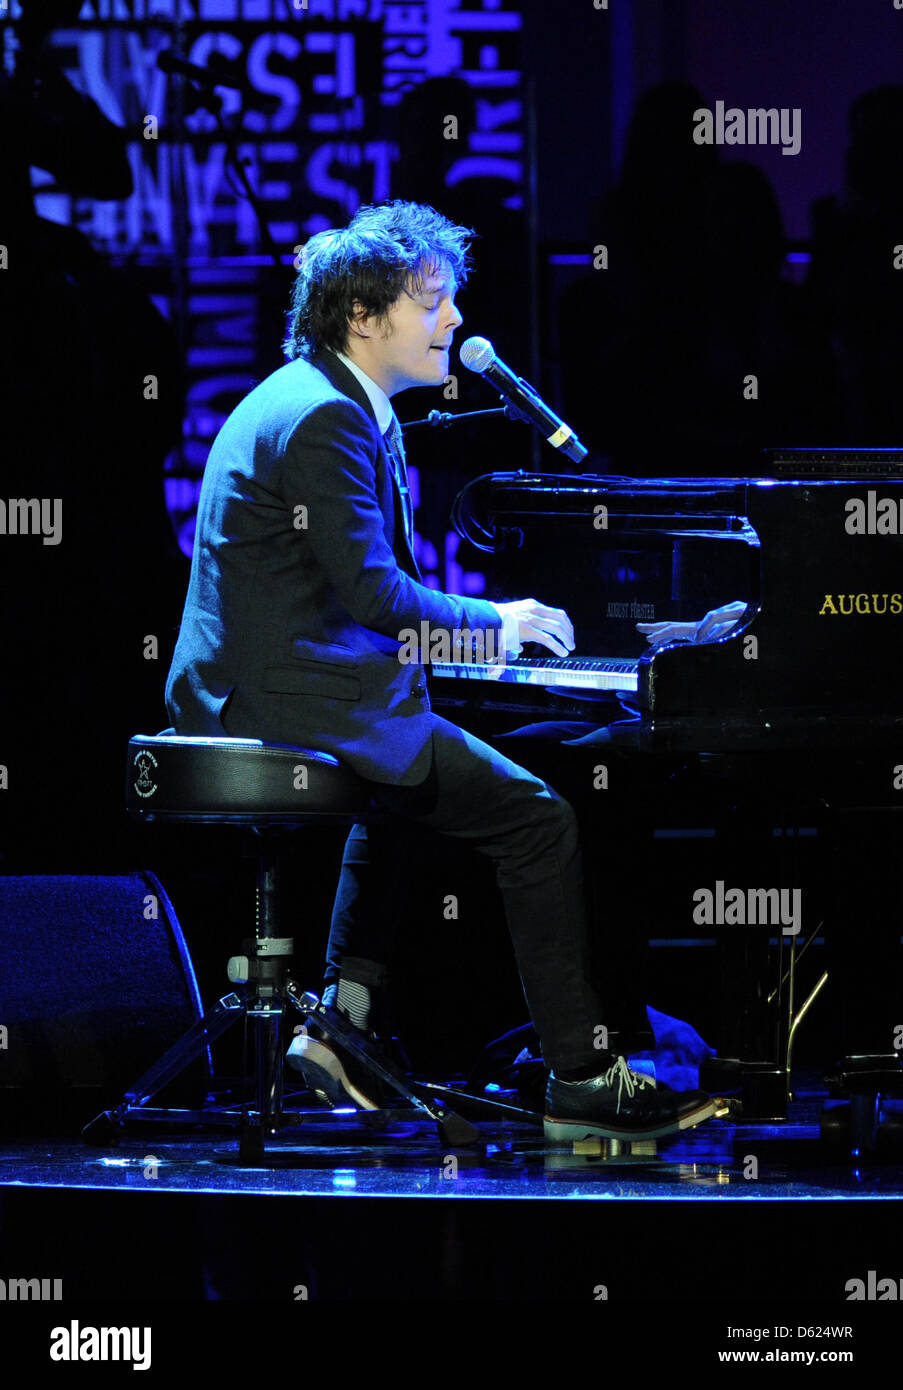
(845, 605)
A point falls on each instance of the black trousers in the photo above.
(475, 794)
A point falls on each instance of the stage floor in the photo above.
(728, 1225)
(323, 1153)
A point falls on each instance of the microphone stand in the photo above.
(443, 418)
(207, 99)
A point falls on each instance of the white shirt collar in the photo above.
(382, 406)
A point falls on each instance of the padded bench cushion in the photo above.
(242, 781)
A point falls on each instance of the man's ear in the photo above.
(358, 320)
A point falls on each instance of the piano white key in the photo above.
(601, 674)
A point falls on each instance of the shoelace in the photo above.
(629, 1081)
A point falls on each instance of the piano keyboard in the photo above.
(567, 672)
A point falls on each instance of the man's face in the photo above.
(408, 349)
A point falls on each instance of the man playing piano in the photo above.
(302, 579)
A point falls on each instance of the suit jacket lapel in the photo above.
(348, 384)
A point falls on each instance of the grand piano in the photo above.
(798, 708)
(815, 660)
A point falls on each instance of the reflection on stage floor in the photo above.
(321, 1152)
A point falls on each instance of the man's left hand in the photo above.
(718, 623)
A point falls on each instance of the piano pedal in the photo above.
(729, 1108)
(760, 1088)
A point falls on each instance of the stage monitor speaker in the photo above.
(96, 982)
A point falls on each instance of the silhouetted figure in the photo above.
(80, 341)
(751, 321)
(497, 297)
(657, 349)
(495, 304)
(853, 276)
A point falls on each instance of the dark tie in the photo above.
(395, 450)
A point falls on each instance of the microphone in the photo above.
(218, 74)
(478, 355)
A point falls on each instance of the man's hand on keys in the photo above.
(718, 623)
(526, 620)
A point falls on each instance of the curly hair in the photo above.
(384, 247)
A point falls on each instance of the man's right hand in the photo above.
(526, 620)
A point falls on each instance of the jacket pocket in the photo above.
(332, 682)
(305, 650)
(222, 705)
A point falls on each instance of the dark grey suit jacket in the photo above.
(290, 627)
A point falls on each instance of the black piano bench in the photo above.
(269, 789)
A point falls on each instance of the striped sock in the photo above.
(587, 1072)
(353, 1000)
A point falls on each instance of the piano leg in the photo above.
(865, 979)
(758, 815)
